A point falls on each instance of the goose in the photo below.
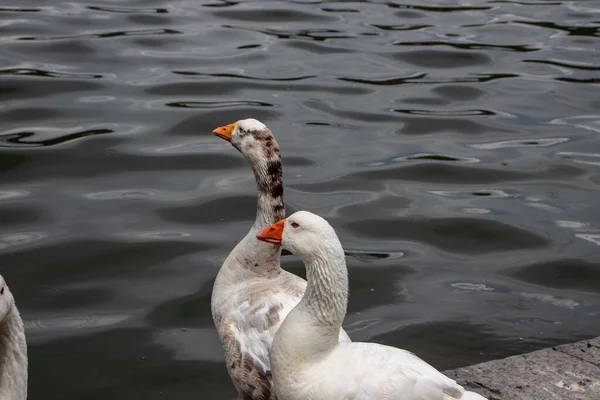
(307, 360)
(252, 294)
(13, 348)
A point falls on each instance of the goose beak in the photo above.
(224, 132)
(272, 234)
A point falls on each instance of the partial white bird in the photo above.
(13, 348)
(252, 295)
(306, 359)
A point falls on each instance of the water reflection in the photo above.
(452, 145)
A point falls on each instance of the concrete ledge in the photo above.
(569, 372)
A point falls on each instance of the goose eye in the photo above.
(241, 131)
(295, 225)
(2, 291)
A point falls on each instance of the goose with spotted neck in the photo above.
(252, 294)
(307, 360)
(13, 348)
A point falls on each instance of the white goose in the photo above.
(306, 359)
(13, 348)
(252, 295)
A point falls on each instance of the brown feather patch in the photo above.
(250, 379)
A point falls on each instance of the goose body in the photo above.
(13, 348)
(306, 359)
(252, 294)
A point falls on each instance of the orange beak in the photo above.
(273, 233)
(224, 132)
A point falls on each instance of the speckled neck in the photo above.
(267, 167)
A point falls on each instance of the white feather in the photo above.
(307, 361)
(251, 124)
(13, 348)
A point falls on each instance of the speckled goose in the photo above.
(252, 294)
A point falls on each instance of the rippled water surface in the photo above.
(452, 144)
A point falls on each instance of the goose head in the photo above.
(303, 233)
(6, 300)
(251, 137)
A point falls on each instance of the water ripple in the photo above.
(579, 80)
(386, 81)
(217, 104)
(453, 146)
(238, 76)
(546, 298)
(222, 3)
(533, 142)
(129, 10)
(46, 74)
(440, 9)
(21, 238)
(17, 139)
(566, 64)
(271, 14)
(471, 46)
(419, 78)
(593, 238)
(437, 157)
(13, 194)
(464, 194)
(442, 58)
(453, 113)
(105, 35)
(571, 30)
(528, 3)
(459, 235)
(401, 27)
(15, 9)
(581, 158)
(319, 35)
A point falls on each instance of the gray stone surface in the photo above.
(588, 350)
(569, 372)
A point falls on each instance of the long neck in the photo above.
(326, 295)
(269, 182)
(324, 304)
(13, 357)
(259, 257)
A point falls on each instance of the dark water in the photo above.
(453, 145)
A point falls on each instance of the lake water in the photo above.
(452, 144)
